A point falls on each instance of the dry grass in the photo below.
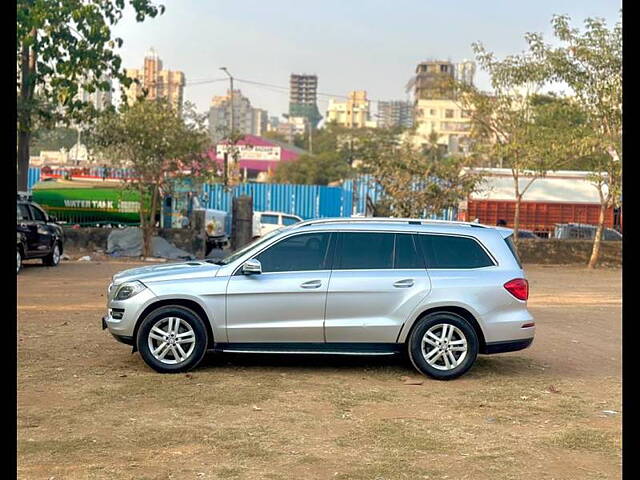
(87, 408)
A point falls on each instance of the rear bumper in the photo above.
(507, 346)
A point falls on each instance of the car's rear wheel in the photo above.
(53, 258)
(443, 345)
(18, 261)
(172, 339)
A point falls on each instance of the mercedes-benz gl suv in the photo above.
(442, 292)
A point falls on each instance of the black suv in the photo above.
(38, 234)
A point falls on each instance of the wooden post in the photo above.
(241, 221)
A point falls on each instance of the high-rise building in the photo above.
(465, 71)
(303, 97)
(260, 119)
(156, 82)
(433, 80)
(246, 119)
(351, 113)
(395, 113)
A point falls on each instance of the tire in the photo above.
(457, 330)
(18, 261)
(169, 358)
(53, 259)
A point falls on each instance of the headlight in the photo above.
(129, 289)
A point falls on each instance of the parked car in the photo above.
(441, 291)
(265, 222)
(38, 234)
(576, 231)
(527, 235)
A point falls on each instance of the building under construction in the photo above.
(303, 97)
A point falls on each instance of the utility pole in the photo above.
(230, 135)
(310, 137)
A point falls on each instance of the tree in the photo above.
(61, 46)
(274, 135)
(159, 145)
(320, 169)
(590, 64)
(415, 182)
(517, 127)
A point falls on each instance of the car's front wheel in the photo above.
(53, 258)
(443, 345)
(172, 339)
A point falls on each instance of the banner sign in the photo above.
(251, 152)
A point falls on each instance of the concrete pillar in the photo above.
(241, 221)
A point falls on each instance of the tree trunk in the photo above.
(516, 219)
(595, 252)
(150, 226)
(27, 72)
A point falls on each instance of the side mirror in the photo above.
(53, 219)
(251, 267)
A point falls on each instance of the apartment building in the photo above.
(395, 113)
(155, 81)
(447, 119)
(354, 112)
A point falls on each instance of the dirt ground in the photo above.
(88, 408)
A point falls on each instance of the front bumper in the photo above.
(128, 311)
(128, 340)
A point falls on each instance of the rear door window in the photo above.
(406, 256)
(453, 252)
(365, 251)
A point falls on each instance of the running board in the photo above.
(311, 348)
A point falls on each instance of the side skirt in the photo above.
(311, 348)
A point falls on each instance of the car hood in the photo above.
(172, 271)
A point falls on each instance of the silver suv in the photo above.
(440, 291)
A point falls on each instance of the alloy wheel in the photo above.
(444, 346)
(171, 340)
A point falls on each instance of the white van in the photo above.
(265, 222)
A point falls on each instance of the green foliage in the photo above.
(159, 144)
(320, 169)
(72, 45)
(416, 182)
(53, 139)
(273, 135)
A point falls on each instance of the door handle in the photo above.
(311, 284)
(407, 283)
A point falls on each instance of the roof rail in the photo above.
(414, 221)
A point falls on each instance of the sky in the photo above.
(371, 45)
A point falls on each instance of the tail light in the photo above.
(518, 287)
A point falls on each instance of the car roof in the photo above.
(451, 228)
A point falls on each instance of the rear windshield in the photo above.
(512, 247)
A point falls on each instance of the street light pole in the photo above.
(230, 134)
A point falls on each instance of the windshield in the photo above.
(250, 246)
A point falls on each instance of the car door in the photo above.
(286, 302)
(377, 280)
(44, 233)
(28, 227)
